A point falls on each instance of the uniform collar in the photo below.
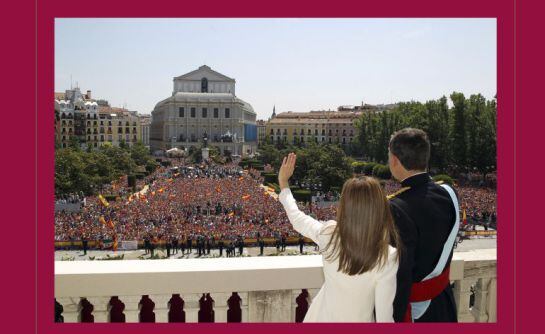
(416, 179)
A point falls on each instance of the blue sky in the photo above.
(297, 64)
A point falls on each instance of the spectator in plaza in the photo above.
(84, 243)
(261, 246)
(220, 246)
(301, 244)
(359, 260)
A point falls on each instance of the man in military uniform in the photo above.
(426, 215)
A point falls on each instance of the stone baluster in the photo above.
(191, 307)
(131, 307)
(479, 309)
(244, 305)
(161, 307)
(220, 306)
(462, 292)
(70, 307)
(100, 308)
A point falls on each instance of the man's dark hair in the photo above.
(411, 147)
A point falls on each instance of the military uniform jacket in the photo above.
(424, 215)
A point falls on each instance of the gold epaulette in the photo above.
(440, 182)
(397, 192)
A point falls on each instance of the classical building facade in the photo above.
(261, 131)
(145, 122)
(318, 126)
(204, 105)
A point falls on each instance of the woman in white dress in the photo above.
(359, 260)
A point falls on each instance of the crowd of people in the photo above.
(188, 202)
(207, 203)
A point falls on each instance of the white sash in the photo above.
(419, 308)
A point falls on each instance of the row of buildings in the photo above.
(93, 123)
(323, 126)
(202, 110)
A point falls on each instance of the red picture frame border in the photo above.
(32, 46)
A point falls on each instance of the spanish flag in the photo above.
(102, 220)
(464, 217)
(111, 223)
(103, 200)
(114, 246)
(231, 214)
(245, 197)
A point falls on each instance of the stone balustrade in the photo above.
(247, 289)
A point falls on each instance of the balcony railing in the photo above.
(247, 289)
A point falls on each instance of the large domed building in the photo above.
(204, 105)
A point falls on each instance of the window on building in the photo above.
(192, 112)
(227, 113)
(323, 132)
(309, 132)
(204, 85)
(216, 112)
(315, 132)
(181, 112)
(204, 112)
(330, 132)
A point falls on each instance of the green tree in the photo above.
(459, 134)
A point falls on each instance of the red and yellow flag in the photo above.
(245, 197)
(464, 217)
(103, 200)
(102, 220)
